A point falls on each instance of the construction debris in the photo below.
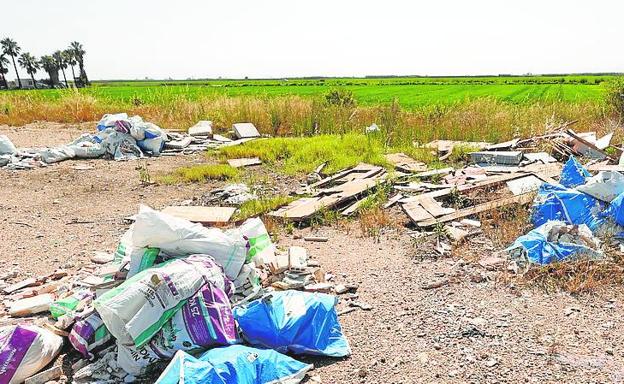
(103, 312)
(203, 215)
(245, 130)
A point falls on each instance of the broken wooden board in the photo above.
(203, 215)
(352, 208)
(521, 199)
(416, 212)
(511, 144)
(605, 167)
(405, 163)
(435, 172)
(434, 208)
(393, 200)
(448, 145)
(244, 162)
(245, 130)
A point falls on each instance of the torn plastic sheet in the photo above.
(555, 241)
(293, 321)
(236, 364)
(554, 202)
(573, 173)
(615, 211)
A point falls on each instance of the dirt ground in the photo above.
(471, 331)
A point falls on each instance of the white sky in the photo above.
(128, 39)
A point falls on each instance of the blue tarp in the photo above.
(539, 250)
(573, 173)
(554, 202)
(236, 364)
(615, 210)
(292, 321)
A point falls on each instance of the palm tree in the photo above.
(51, 66)
(61, 63)
(4, 69)
(30, 64)
(70, 59)
(79, 53)
(10, 47)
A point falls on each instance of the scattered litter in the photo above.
(233, 194)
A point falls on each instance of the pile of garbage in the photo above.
(222, 305)
(120, 137)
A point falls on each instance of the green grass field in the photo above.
(410, 92)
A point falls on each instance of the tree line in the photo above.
(51, 64)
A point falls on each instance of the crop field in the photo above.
(409, 92)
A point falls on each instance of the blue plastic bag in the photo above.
(537, 248)
(299, 322)
(236, 364)
(554, 202)
(573, 173)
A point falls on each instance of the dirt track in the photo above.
(467, 331)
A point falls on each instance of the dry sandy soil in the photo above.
(471, 331)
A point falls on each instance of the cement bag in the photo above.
(25, 350)
(68, 304)
(139, 259)
(108, 120)
(178, 237)
(236, 364)
(205, 321)
(137, 309)
(573, 173)
(55, 155)
(615, 211)
(260, 248)
(293, 321)
(154, 140)
(89, 334)
(121, 146)
(5, 159)
(87, 150)
(6, 146)
(554, 202)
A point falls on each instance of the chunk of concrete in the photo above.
(202, 128)
(31, 305)
(245, 130)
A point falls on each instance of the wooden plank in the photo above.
(435, 172)
(393, 200)
(405, 163)
(433, 207)
(352, 208)
(605, 167)
(203, 215)
(244, 162)
(416, 212)
(521, 199)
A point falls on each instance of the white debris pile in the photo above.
(172, 285)
(120, 137)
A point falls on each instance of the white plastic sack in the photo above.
(178, 237)
(6, 146)
(86, 150)
(25, 350)
(137, 309)
(260, 248)
(54, 155)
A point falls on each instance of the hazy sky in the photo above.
(128, 39)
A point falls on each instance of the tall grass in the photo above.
(482, 119)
